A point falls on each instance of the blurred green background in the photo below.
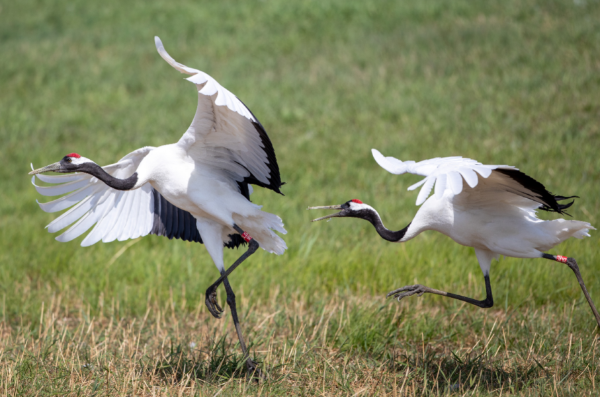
(512, 82)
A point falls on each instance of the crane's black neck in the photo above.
(375, 219)
(115, 183)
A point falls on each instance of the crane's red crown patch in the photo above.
(357, 201)
(73, 155)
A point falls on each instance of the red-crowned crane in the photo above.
(197, 189)
(488, 207)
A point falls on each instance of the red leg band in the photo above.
(247, 237)
(562, 259)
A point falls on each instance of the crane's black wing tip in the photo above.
(561, 198)
(539, 193)
(271, 159)
(277, 190)
(561, 207)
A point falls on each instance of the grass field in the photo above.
(513, 82)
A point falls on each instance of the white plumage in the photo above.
(479, 207)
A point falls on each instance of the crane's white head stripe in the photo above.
(357, 205)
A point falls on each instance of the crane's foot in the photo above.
(211, 302)
(254, 371)
(408, 290)
(419, 290)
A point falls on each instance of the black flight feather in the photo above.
(274, 177)
(173, 222)
(540, 193)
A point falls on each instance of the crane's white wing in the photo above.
(500, 182)
(117, 215)
(224, 134)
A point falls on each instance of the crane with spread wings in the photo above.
(197, 189)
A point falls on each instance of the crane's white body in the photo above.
(198, 174)
(210, 195)
(480, 208)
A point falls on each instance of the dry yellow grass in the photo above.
(339, 345)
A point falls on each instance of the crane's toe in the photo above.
(254, 371)
(408, 290)
(212, 304)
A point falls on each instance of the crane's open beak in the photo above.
(327, 207)
(51, 167)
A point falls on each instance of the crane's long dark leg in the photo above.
(211, 292)
(250, 364)
(419, 289)
(573, 266)
(215, 309)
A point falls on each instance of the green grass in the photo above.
(512, 82)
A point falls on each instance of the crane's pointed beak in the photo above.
(51, 167)
(327, 207)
